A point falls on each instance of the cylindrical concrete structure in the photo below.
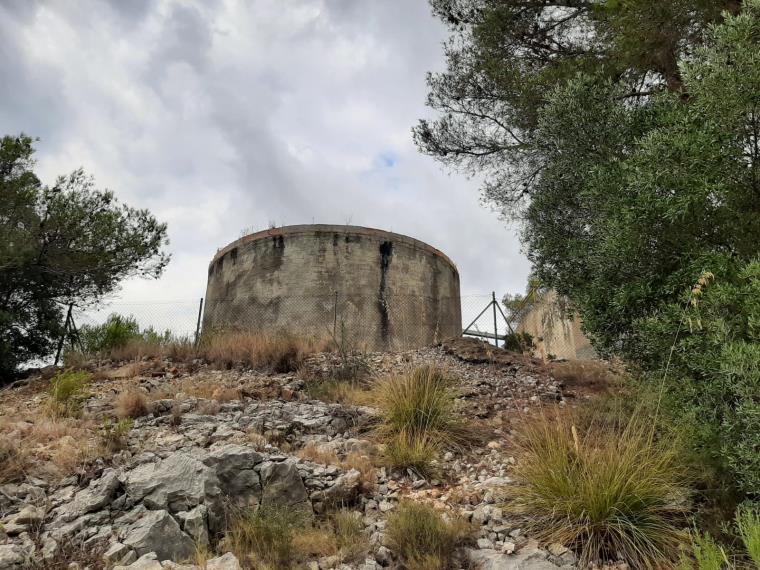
(371, 288)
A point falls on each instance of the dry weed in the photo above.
(132, 404)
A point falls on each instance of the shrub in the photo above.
(603, 493)
(263, 536)
(423, 538)
(116, 332)
(132, 404)
(67, 394)
(709, 376)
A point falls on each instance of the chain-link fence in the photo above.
(394, 322)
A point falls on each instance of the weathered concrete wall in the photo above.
(555, 334)
(394, 292)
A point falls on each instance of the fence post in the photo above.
(495, 329)
(198, 324)
(63, 336)
(335, 316)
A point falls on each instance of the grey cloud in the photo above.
(223, 116)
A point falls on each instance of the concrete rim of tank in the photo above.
(329, 228)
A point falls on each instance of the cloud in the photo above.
(225, 115)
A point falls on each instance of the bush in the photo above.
(423, 538)
(603, 493)
(116, 332)
(710, 375)
(411, 450)
(67, 394)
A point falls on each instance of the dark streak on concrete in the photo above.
(386, 252)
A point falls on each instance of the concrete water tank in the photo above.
(375, 289)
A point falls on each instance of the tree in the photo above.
(598, 126)
(69, 243)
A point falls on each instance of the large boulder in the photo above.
(177, 483)
(283, 486)
(234, 467)
(157, 531)
(97, 496)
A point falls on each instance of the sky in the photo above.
(224, 117)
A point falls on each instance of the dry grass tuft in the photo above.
(227, 394)
(423, 538)
(263, 537)
(364, 465)
(132, 404)
(14, 461)
(603, 493)
(278, 352)
(316, 453)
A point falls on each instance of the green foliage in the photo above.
(706, 554)
(69, 243)
(114, 434)
(117, 332)
(604, 491)
(423, 538)
(518, 342)
(67, 393)
(748, 525)
(713, 376)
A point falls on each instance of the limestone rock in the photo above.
(524, 560)
(95, 497)
(12, 557)
(177, 483)
(234, 467)
(345, 489)
(283, 486)
(158, 532)
(148, 561)
(194, 523)
(226, 562)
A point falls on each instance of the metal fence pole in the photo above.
(63, 336)
(495, 329)
(335, 316)
(198, 324)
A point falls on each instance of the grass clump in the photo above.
(13, 461)
(263, 537)
(132, 404)
(419, 415)
(423, 538)
(114, 434)
(67, 394)
(604, 493)
(748, 526)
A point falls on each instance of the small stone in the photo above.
(384, 556)
(556, 549)
(484, 543)
(116, 552)
(509, 547)
(11, 556)
(29, 515)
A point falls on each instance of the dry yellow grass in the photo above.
(312, 451)
(132, 404)
(279, 352)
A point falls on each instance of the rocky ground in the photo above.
(215, 439)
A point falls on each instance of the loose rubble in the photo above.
(167, 491)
